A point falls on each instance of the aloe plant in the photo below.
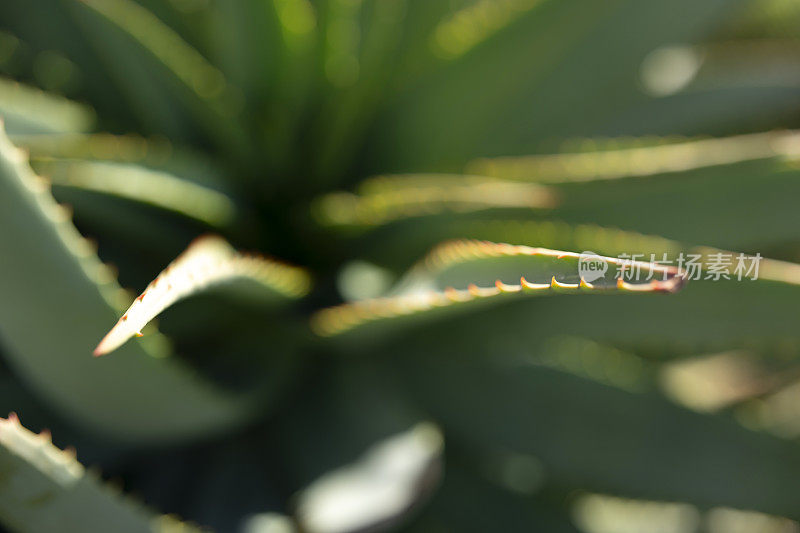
(321, 265)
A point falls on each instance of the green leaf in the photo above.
(543, 76)
(208, 263)
(361, 47)
(155, 153)
(656, 157)
(248, 56)
(591, 436)
(703, 207)
(46, 489)
(198, 86)
(183, 61)
(384, 199)
(294, 82)
(708, 316)
(58, 301)
(143, 199)
(26, 110)
(380, 487)
(464, 273)
(636, 185)
(140, 184)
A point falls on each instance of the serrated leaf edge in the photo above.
(339, 319)
(207, 262)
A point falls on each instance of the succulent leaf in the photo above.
(665, 158)
(470, 271)
(594, 436)
(692, 323)
(45, 489)
(240, 115)
(389, 198)
(48, 333)
(516, 74)
(201, 88)
(149, 152)
(388, 480)
(26, 110)
(141, 184)
(639, 203)
(186, 63)
(207, 263)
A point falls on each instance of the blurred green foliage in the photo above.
(350, 137)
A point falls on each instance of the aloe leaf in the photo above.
(151, 105)
(711, 316)
(140, 184)
(380, 487)
(467, 272)
(124, 189)
(555, 234)
(45, 489)
(388, 198)
(631, 185)
(357, 69)
(26, 110)
(548, 47)
(207, 263)
(710, 202)
(463, 262)
(594, 437)
(693, 322)
(49, 331)
(198, 85)
(154, 153)
(625, 162)
(294, 79)
(182, 60)
(248, 56)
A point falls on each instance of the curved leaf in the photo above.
(207, 263)
(140, 184)
(26, 110)
(379, 488)
(667, 157)
(470, 271)
(155, 153)
(710, 198)
(543, 76)
(58, 300)
(201, 88)
(708, 316)
(387, 198)
(45, 489)
(594, 437)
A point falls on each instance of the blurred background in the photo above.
(350, 137)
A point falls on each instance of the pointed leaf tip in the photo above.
(432, 283)
(209, 261)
